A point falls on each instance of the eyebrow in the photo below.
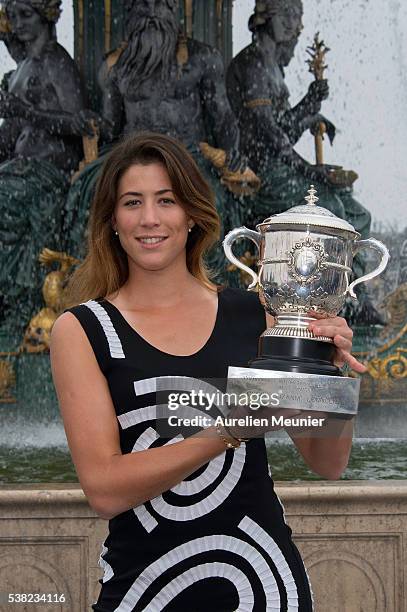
(137, 193)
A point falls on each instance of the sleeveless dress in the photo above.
(217, 541)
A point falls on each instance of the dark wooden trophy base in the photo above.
(300, 355)
(297, 355)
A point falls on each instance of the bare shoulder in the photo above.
(65, 321)
(70, 345)
(67, 328)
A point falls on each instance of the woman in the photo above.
(184, 534)
(42, 108)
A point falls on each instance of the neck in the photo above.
(147, 289)
(35, 47)
(267, 44)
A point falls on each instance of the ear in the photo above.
(113, 223)
(191, 224)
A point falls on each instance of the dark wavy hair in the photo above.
(105, 268)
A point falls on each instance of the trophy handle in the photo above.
(231, 237)
(378, 246)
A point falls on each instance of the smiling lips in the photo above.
(151, 240)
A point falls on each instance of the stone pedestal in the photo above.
(352, 535)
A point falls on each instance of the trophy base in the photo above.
(302, 355)
(305, 374)
(336, 395)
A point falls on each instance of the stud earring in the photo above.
(189, 230)
(116, 233)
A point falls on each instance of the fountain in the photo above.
(33, 446)
(29, 417)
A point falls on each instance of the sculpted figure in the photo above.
(270, 127)
(160, 81)
(41, 106)
(165, 82)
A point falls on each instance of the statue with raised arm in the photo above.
(270, 127)
(41, 105)
(158, 80)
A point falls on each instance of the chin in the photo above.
(152, 267)
(151, 264)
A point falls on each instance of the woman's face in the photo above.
(151, 223)
(26, 23)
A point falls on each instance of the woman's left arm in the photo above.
(327, 452)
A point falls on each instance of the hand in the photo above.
(317, 92)
(264, 412)
(12, 106)
(337, 329)
(318, 173)
(85, 122)
(329, 127)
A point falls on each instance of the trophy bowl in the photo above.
(304, 267)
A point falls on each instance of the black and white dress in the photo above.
(217, 541)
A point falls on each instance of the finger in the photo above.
(87, 129)
(343, 343)
(329, 330)
(337, 322)
(339, 358)
(353, 363)
(319, 315)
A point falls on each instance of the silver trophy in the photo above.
(304, 266)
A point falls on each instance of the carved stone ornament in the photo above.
(306, 260)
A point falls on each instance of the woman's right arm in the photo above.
(112, 482)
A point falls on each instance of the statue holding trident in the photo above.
(317, 67)
(270, 127)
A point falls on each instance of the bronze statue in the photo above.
(37, 336)
(270, 127)
(41, 105)
(161, 81)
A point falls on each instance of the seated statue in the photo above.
(158, 80)
(41, 105)
(270, 127)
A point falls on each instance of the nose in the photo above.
(16, 21)
(149, 216)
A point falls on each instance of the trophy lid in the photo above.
(309, 214)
